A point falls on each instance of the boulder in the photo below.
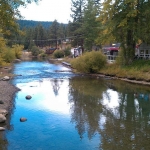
(1, 102)
(2, 128)
(6, 67)
(17, 60)
(28, 97)
(2, 118)
(22, 119)
(6, 78)
(3, 112)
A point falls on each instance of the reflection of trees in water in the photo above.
(130, 131)
(86, 96)
(125, 127)
(3, 140)
(56, 85)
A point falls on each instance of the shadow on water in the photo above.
(76, 112)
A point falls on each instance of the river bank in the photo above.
(7, 90)
(105, 74)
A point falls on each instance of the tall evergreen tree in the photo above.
(53, 32)
(77, 9)
(90, 25)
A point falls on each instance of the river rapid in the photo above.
(73, 112)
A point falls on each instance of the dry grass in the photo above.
(133, 72)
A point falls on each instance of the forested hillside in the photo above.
(39, 33)
(31, 23)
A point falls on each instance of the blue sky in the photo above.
(48, 10)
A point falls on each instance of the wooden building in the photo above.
(143, 51)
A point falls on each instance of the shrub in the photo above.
(67, 51)
(35, 51)
(9, 55)
(18, 50)
(90, 62)
(42, 54)
(58, 54)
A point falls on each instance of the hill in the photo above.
(31, 23)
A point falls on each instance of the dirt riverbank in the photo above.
(7, 90)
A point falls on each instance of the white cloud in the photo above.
(48, 10)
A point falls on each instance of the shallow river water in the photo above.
(72, 112)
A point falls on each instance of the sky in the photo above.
(48, 10)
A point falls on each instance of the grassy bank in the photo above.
(139, 70)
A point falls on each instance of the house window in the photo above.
(146, 52)
(141, 51)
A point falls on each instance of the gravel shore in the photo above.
(7, 92)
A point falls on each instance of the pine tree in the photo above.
(76, 26)
(53, 32)
(90, 25)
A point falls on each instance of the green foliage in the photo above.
(9, 55)
(41, 37)
(31, 45)
(67, 51)
(58, 54)
(75, 27)
(90, 62)
(18, 50)
(120, 60)
(2, 51)
(125, 22)
(42, 54)
(53, 32)
(90, 25)
(35, 51)
(8, 12)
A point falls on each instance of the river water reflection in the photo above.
(71, 112)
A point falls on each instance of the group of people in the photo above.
(76, 52)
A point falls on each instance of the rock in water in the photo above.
(1, 102)
(6, 78)
(22, 119)
(28, 97)
(2, 128)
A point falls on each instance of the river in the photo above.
(74, 112)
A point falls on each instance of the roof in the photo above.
(111, 48)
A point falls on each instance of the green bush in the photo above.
(9, 55)
(58, 54)
(90, 62)
(67, 51)
(18, 50)
(35, 51)
(42, 54)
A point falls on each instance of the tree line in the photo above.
(39, 35)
